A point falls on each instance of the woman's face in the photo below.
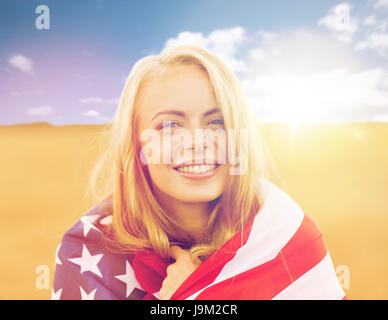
(175, 105)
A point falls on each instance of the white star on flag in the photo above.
(156, 294)
(87, 262)
(57, 260)
(56, 295)
(87, 296)
(107, 220)
(129, 279)
(88, 223)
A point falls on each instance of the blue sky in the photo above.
(329, 59)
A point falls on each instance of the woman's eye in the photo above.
(168, 124)
(217, 122)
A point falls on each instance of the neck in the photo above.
(192, 217)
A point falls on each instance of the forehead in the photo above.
(183, 88)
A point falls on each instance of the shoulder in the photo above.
(282, 224)
(307, 261)
(84, 268)
(88, 231)
(293, 240)
(282, 213)
(90, 226)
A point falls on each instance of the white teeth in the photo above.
(196, 168)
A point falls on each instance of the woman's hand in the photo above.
(177, 272)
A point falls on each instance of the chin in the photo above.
(196, 197)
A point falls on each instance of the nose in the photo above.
(198, 151)
(197, 148)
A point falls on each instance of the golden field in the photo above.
(338, 173)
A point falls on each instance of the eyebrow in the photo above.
(182, 114)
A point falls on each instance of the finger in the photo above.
(197, 261)
(168, 269)
(177, 252)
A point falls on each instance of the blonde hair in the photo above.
(139, 222)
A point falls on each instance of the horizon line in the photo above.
(259, 121)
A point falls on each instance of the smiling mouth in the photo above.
(196, 168)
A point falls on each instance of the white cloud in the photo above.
(382, 26)
(300, 52)
(227, 40)
(370, 20)
(264, 35)
(381, 3)
(114, 101)
(91, 113)
(292, 79)
(335, 95)
(39, 111)
(95, 100)
(186, 37)
(373, 23)
(381, 117)
(289, 77)
(98, 100)
(376, 41)
(375, 35)
(95, 114)
(340, 22)
(223, 42)
(22, 63)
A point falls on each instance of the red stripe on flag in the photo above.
(304, 250)
(208, 270)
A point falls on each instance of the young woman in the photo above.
(190, 211)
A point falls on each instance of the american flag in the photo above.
(282, 255)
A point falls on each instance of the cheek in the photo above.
(162, 178)
(157, 150)
(156, 171)
(150, 152)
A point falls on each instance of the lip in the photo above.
(205, 161)
(196, 175)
